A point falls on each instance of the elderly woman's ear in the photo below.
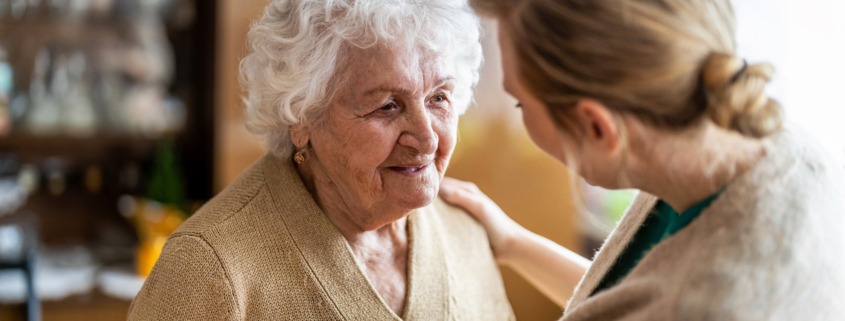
(299, 135)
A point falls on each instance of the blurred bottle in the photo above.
(12, 196)
(17, 8)
(4, 9)
(29, 178)
(78, 8)
(79, 117)
(6, 82)
(44, 115)
(5, 116)
(100, 7)
(166, 185)
(34, 7)
(18, 108)
(144, 110)
(129, 178)
(58, 7)
(93, 179)
(56, 170)
(109, 94)
(154, 222)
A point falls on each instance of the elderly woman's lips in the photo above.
(409, 170)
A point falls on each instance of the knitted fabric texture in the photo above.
(770, 247)
(263, 250)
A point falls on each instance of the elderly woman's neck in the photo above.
(381, 249)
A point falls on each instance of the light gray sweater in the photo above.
(770, 247)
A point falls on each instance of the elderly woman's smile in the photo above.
(387, 137)
(411, 171)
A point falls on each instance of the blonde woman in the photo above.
(738, 219)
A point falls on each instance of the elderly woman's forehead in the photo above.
(388, 61)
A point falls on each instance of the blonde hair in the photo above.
(667, 62)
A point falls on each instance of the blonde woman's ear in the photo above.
(599, 124)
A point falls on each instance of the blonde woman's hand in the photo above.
(551, 268)
(501, 229)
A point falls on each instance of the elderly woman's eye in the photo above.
(438, 98)
(390, 106)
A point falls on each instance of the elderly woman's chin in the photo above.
(413, 190)
(408, 189)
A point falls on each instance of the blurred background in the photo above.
(119, 118)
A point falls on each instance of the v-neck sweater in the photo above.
(264, 250)
(661, 223)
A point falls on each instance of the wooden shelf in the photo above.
(97, 148)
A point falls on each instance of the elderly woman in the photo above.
(738, 219)
(358, 102)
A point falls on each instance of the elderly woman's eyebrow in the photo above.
(443, 80)
(405, 91)
(381, 89)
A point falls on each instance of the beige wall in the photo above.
(235, 147)
(493, 151)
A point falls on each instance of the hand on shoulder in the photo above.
(501, 229)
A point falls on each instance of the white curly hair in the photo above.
(298, 47)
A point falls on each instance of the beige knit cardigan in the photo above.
(770, 247)
(263, 250)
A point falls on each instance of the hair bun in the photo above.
(736, 95)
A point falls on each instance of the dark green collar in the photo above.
(679, 221)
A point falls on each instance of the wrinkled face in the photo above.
(386, 140)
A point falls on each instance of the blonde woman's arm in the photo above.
(551, 268)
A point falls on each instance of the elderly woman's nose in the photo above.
(420, 134)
